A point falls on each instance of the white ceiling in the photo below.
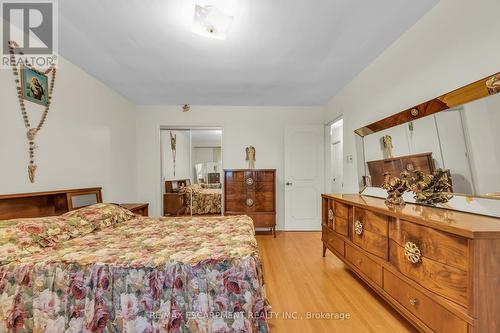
(278, 52)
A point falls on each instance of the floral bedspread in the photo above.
(204, 200)
(142, 275)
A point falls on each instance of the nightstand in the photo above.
(137, 208)
(173, 204)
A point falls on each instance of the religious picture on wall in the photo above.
(35, 86)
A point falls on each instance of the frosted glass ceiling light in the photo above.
(211, 22)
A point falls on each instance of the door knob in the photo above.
(288, 184)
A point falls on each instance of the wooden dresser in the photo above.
(252, 193)
(396, 165)
(439, 268)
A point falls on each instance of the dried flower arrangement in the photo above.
(432, 188)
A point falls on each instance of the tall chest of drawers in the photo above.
(251, 192)
(438, 268)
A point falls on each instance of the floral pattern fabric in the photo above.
(144, 275)
(201, 200)
(102, 215)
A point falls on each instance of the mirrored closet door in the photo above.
(191, 163)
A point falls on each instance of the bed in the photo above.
(103, 269)
(201, 200)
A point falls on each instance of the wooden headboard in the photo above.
(40, 204)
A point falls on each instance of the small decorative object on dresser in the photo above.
(387, 141)
(396, 187)
(432, 188)
(439, 268)
(252, 193)
(250, 156)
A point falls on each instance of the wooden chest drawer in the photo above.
(263, 220)
(341, 225)
(370, 232)
(334, 241)
(367, 266)
(441, 260)
(341, 210)
(436, 317)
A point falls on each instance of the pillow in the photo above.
(22, 237)
(49, 231)
(102, 215)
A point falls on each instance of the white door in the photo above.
(304, 177)
(336, 156)
(336, 162)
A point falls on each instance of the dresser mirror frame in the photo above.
(482, 88)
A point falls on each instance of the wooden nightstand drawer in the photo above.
(368, 267)
(431, 313)
(139, 208)
(434, 259)
(370, 232)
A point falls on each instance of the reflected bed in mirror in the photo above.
(458, 131)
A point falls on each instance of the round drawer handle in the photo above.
(360, 261)
(249, 181)
(249, 202)
(412, 252)
(413, 301)
(358, 227)
(410, 167)
(330, 214)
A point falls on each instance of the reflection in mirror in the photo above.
(79, 201)
(464, 139)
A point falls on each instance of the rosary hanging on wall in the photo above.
(32, 85)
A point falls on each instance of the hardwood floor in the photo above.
(299, 280)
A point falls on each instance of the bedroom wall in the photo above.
(262, 127)
(454, 44)
(88, 139)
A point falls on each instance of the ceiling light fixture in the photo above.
(209, 21)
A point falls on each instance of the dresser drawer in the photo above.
(370, 232)
(341, 210)
(263, 220)
(436, 317)
(442, 263)
(334, 241)
(341, 225)
(367, 266)
(444, 280)
(436, 245)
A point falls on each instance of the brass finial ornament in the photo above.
(396, 187)
(186, 108)
(432, 188)
(493, 84)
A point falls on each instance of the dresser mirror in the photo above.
(458, 131)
